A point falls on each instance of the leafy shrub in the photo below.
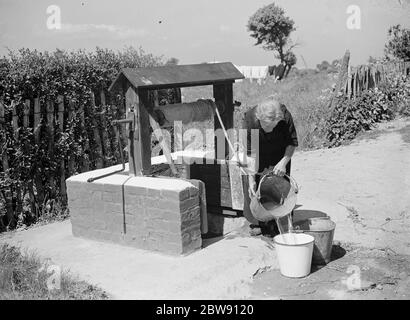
(360, 114)
(30, 186)
(397, 90)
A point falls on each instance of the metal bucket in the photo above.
(275, 197)
(322, 229)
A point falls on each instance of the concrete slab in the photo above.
(222, 270)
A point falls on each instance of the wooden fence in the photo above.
(365, 77)
(44, 141)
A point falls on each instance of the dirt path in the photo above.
(365, 188)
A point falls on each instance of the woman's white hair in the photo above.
(269, 109)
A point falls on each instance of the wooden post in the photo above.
(223, 95)
(178, 96)
(3, 141)
(4, 160)
(155, 94)
(86, 150)
(50, 124)
(343, 72)
(145, 106)
(99, 161)
(349, 82)
(63, 189)
(30, 186)
(142, 136)
(341, 81)
(71, 163)
(26, 113)
(37, 119)
(106, 141)
(366, 77)
(133, 132)
(37, 130)
(354, 82)
(17, 190)
(15, 120)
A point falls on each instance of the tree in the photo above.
(398, 45)
(271, 29)
(371, 60)
(172, 62)
(290, 61)
(324, 66)
(336, 64)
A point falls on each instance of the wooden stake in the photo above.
(37, 120)
(71, 163)
(106, 141)
(63, 189)
(4, 156)
(15, 120)
(26, 113)
(50, 125)
(99, 161)
(86, 158)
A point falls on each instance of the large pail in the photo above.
(275, 197)
(322, 229)
(294, 252)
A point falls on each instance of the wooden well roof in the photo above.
(178, 76)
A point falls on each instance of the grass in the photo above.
(306, 97)
(23, 276)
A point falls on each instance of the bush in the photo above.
(397, 90)
(30, 186)
(360, 114)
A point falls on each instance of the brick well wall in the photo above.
(160, 214)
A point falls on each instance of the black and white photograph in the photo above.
(205, 156)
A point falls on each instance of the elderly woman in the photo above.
(277, 143)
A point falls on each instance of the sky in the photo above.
(197, 31)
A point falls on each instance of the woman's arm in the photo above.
(280, 168)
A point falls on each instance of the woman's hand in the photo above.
(280, 169)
